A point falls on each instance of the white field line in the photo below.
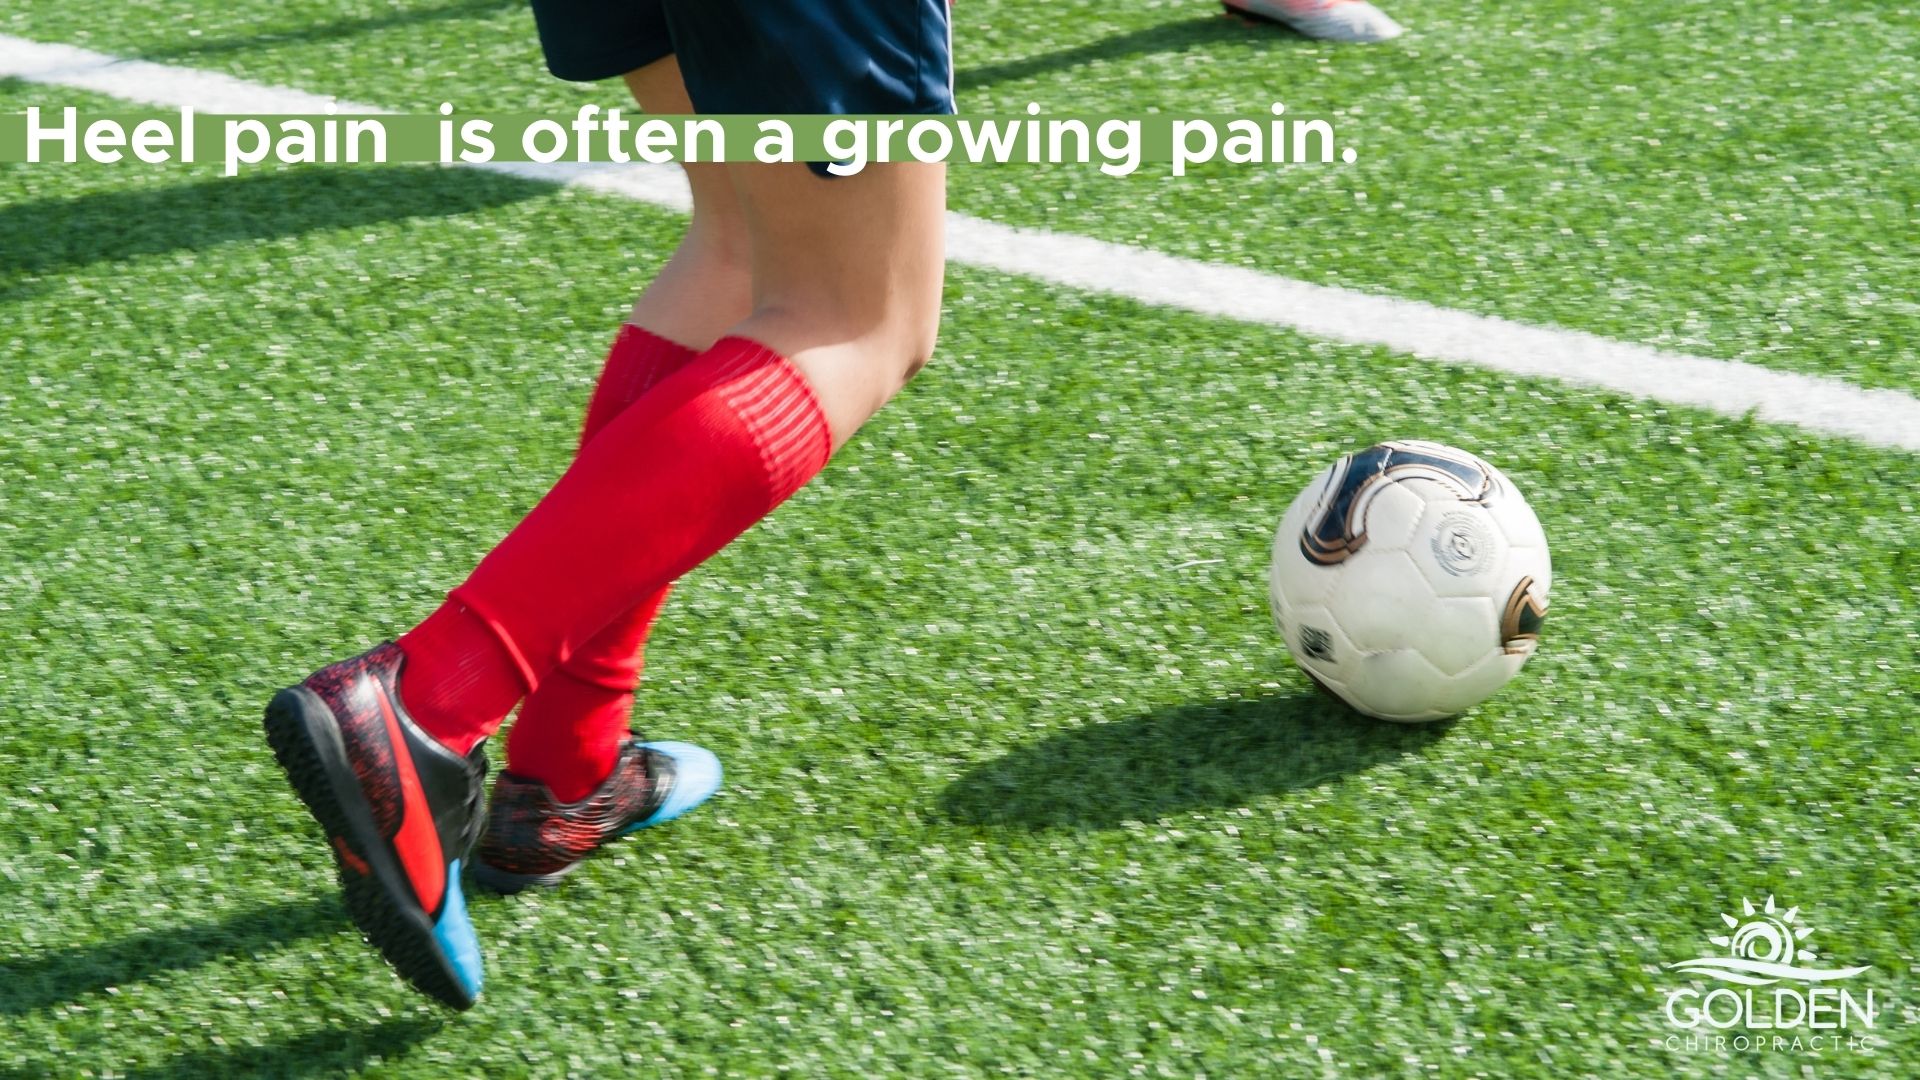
(1830, 406)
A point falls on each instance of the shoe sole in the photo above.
(306, 741)
(506, 884)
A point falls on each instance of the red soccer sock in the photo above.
(637, 362)
(453, 658)
(569, 731)
(709, 451)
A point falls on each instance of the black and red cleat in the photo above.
(534, 839)
(400, 812)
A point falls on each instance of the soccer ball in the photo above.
(1410, 579)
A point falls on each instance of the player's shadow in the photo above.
(335, 1050)
(332, 30)
(66, 974)
(338, 1048)
(1206, 32)
(53, 236)
(1220, 753)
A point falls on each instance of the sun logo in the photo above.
(1764, 936)
(1763, 947)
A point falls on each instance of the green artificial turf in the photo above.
(1724, 178)
(1020, 779)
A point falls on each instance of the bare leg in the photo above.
(846, 288)
(705, 286)
(571, 730)
(846, 277)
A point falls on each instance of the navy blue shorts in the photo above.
(764, 56)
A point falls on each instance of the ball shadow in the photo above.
(1220, 753)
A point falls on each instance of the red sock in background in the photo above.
(569, 732)
(637, 362)
(710, 450)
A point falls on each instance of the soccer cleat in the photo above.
(533, 839)
(1353, 21)
(400, 812)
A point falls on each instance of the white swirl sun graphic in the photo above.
(1766, 935)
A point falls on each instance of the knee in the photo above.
(898, 354)
(916, 342)
(910, 326)
(892, 332)
(900, 344)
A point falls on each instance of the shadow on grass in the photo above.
(66, 974)
(56, 235)
(1207, 30)
(334, 29)
(335, 1050)
(1210, 754)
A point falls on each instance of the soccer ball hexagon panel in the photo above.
(1410, 579)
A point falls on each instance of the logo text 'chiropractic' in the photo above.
(1774, 991)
